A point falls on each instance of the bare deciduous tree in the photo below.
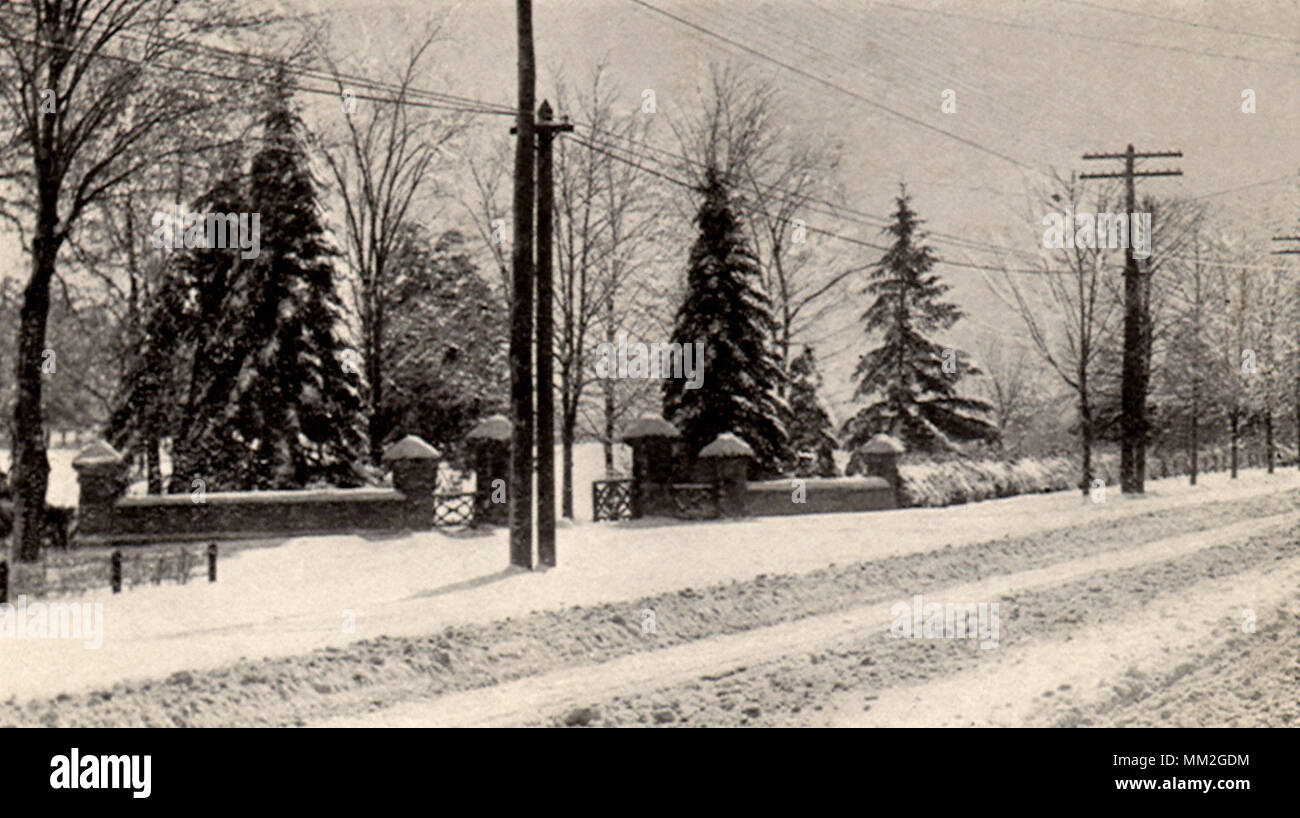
(1068, 308)
(91, 91)
(382, 165)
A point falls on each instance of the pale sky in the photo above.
(1041, 89)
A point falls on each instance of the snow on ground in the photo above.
(521, 701)
(310, 592)
(1075, 673)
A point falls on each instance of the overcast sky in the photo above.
(1038, 83)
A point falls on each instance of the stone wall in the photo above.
(820, 495)
(661, 466)
(106, 517)
(239, 515)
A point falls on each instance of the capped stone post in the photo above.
(102, 480)
(881, 455)
(730, 457)
(651, 438)
(489, 442)
(415, 475)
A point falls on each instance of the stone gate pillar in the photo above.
(651, 438)
(730, 457)
(102, 478)
(489, 444)
(881, 455)
(415, 475)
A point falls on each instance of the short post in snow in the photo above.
(115, 578)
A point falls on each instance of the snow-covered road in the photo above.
(521, 702)
(314, 592)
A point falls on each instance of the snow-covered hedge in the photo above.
(953, 481)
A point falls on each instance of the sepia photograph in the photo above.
(649, 364)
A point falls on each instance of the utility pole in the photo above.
(521, 302)
(546, 130)
(1293, 251)
(1134, 380)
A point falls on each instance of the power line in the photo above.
(640, 160)
(860, 97)
(441, 101)
(1283, 178)
(834, 210)
(999, 97)
(810, 228)
(1092, 37)
(1181, 22)
(842, 67)
(806, 201)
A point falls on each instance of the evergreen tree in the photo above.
(811, 429)
(909, 381)
(144, 409)
(274, 403)
(445, 344)
(726, 308)
(179, 348)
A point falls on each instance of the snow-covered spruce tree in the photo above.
(811, 429)
(726, 309)
(145, 406)
(910, 382)
(276, 404)
(173, 388)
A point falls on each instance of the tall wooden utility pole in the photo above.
(546, 130)
(1293, 251)
(1134, 384)
(521, 303)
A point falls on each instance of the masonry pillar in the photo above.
(730, 457)
(415, 475)
(102, 478)
(489, 444)
(881, 455)
(651, 438)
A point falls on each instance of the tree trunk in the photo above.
(1233, 456)
(566, 466)
(31, 468)
(153, 460)
(608, 384)
(1195, 444)
(1268, 439)
(1086, 436)
(375, 374)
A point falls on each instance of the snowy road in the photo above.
(520, 702)
(341, 594)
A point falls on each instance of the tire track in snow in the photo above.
(525, 700)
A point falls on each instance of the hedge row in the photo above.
(933, 484)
